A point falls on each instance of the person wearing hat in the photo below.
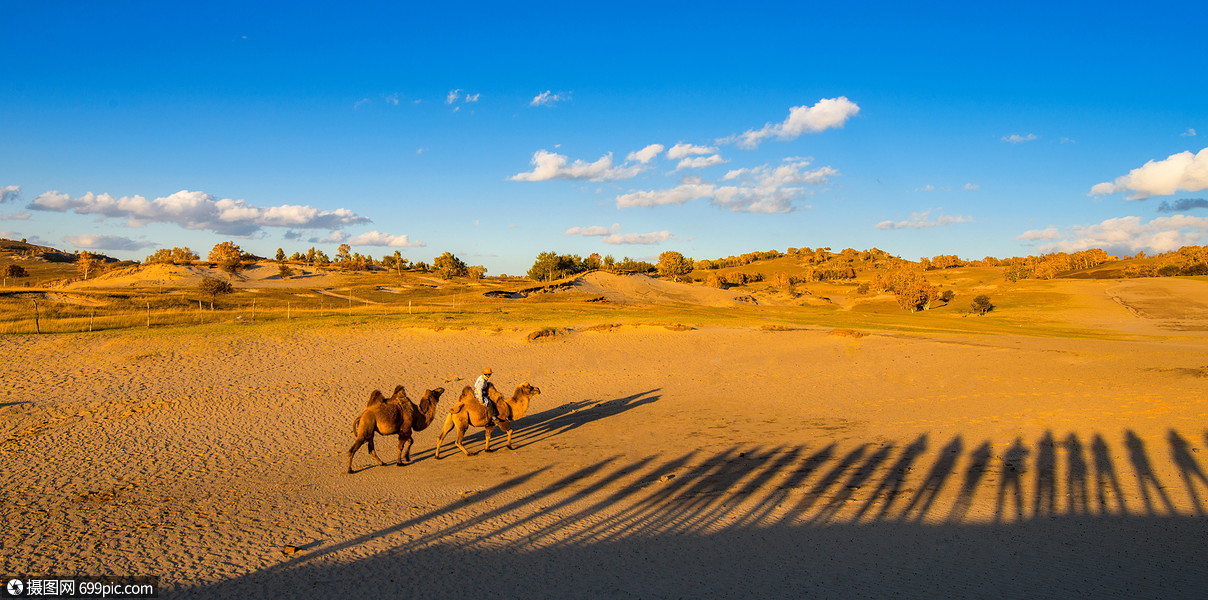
(480, 392)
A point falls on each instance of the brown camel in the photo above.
(390, 416)
(469, 411)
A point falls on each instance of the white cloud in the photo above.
(926, 188)
(197, 210)
(770, 189)
(1040, 235)
(336, 237)
(923, 220)
(657, 237)
(472, 97)
(972, 186)
(21, 216)
(681, 150)
(549, 98)
(392, 99)
(1188, 133)
(761, 189)
(549, 165)
(1127, 235)
(646, 154)
(9, 193)
(827, 113)
(1015, 138)
(452, 96)
(1182, 171)
(359, 103)
(105, 242)
(594, 230)
(700, 162)
(691, 189)
(377, 238)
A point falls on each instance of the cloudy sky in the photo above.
(497, 132)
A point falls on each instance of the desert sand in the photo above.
(656, 463)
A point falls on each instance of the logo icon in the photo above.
(16, 587)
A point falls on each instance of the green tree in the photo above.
(343, 253)
(213, 288)
(228, 257)
(981, 304)
(86, 263)
(673, 265)
(280, 255)
(183, 255)
(448, 266)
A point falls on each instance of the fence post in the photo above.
(37, 325)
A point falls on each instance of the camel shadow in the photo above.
(559, 420)
(17, 403)
(568, 417)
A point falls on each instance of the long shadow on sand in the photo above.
(864, 520)
(547, 423)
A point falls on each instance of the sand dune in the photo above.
(702, 463)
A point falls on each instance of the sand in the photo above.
(714, 462)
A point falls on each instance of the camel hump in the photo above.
(375, 398)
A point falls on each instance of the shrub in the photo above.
(947, 296)
(448, 266)
(14, 271)
(1169, 270)
(214, 287)
(981, 304)
(1196, 269)
(673, 265)
(228, 257)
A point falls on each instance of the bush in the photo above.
(981, 305)
(448, 266)
(1196, 269)
(215, 287)
(674, 266)
(14, 271)
(1169, 271)
(947, 296)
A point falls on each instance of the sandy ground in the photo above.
(714, 462)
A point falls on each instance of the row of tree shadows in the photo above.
(934, 516)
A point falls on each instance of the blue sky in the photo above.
(498, 132)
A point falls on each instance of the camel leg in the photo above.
(373, 452)
(445, 429)
(509, 430)
(404, 454)
(490, 428)
(356, 445)
(461, 433)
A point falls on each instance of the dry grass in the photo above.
(545, 332)
(851, 333)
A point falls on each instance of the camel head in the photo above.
(431, 397)
(528, 390)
